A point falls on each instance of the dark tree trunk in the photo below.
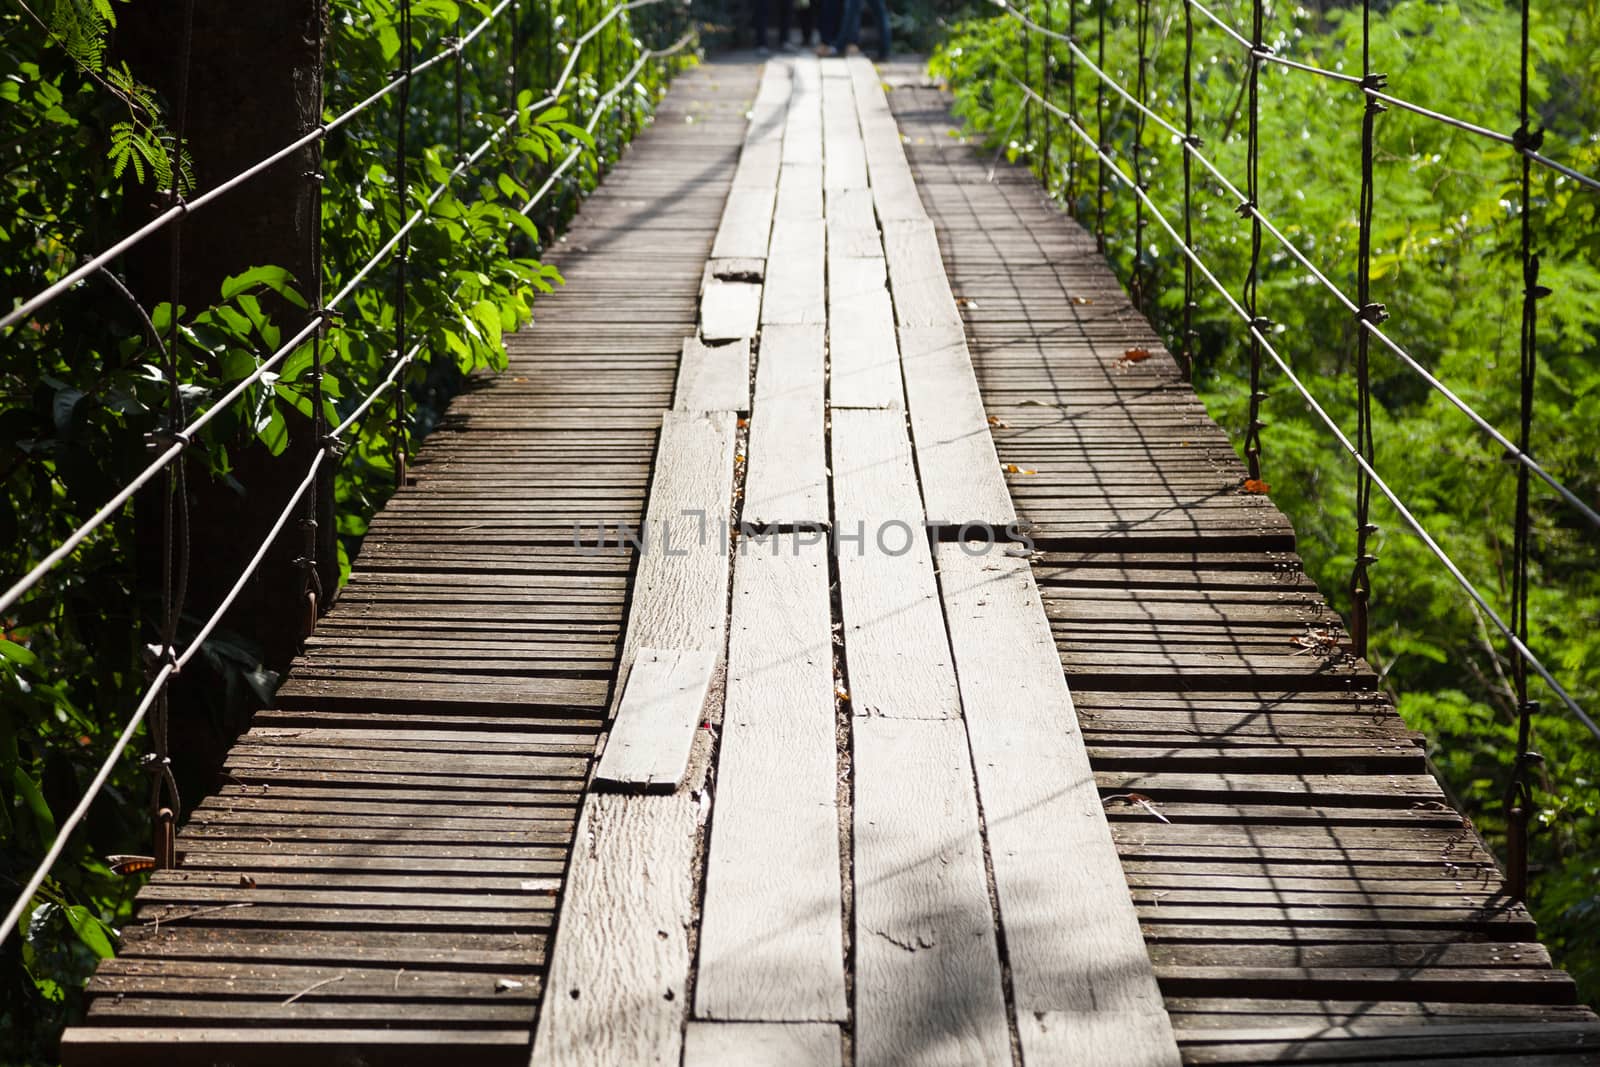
(254, 85)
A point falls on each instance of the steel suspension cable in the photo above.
(1369, 323)
(186, 436)
(167, 217)
(1466, 585)
(1526, 150)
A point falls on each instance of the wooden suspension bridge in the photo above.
(826, 645)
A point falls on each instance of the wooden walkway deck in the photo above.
(1079, 778)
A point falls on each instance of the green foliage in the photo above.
(1445, 262)
(84, 382)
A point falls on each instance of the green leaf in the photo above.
(91, 931)
(276, 279)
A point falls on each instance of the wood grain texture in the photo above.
(960, 472)
(852, 225)
(895, 642)
(770, 941)
(714, 377)
(647, 749)
(761, 1045)
(746, 223)
(864, 356)
(927, 967)
(786, 478)
(795, 265)
(681, 586)
(916, 274)
(729, 311)
(800, 192)
(1109, 1038)
(1072, 934)
(842, 150)
(621, 956)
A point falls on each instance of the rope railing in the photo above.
(168, 661)
(1369, 316)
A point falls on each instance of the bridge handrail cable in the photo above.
(170, 659)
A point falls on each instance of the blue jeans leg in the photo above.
(849, 25)
(882, 7)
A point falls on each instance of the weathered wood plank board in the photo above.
(800, 192)
(746, 224)
(681, 585)
(621, 956)
(896, 647)
(960, 472)
(1072, 935)
(648, 747)
(786, 474)
(714, 377)
(730, 311)
(795, 264)
(916, 275)
(927, 985)
(770, 940)
(864, 353)
(762, 1045)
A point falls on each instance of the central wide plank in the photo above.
(786, 478)
(771, 943)
(897, 653)
(928, 987)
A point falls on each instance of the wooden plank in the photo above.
(1072, 935)
(852, 226)
(762, 1045)
(730, 311)
(770, 939)
(896, 649)
(648, 747)
(927, 968)
(802, 135)
(681, 587)
(714, 377)
(746, 224)
(617, 972)
(786, 474)
(800, 192)
(916, 274)
(864, 354)
(961, 478)
(1127, 1039)
(843, 153)
(794, 289)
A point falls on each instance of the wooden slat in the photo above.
(762, 1045)
(786, 473)
(648, 747)
(794, 289)
(681, 585)
(1072, 935)
(895, 642)
(730, 311)
(714, 377)
(799, 192)
(927, 969)
(621, 958)
(746, 224)
(916, 274)
(865, 355)
(960, 472)
(770, 945)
